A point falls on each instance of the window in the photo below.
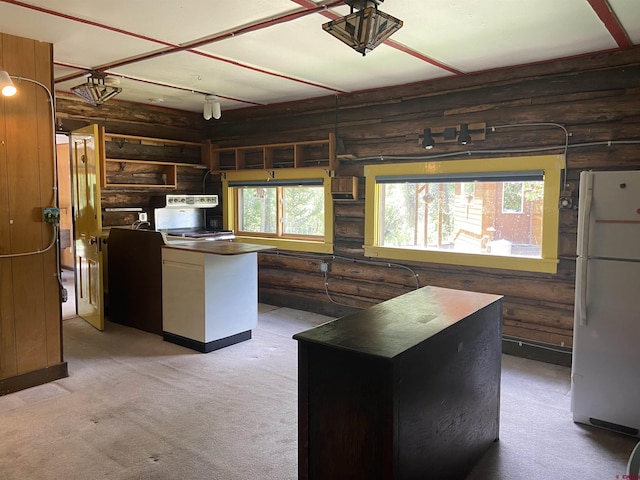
(496, 212)
(287, 208)
(302, 212)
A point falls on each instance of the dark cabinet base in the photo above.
(408, 389)
(207, 347)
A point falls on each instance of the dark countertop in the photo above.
(217, 248)
(394, 326)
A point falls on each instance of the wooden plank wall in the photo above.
(597, 98)
(135, 176)
(30, 308)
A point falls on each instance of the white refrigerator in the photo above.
(605, 376)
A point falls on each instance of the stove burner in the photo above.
(200, 233)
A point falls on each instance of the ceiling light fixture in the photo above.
(96, 91)
(463, 134)
(211, 108)
(365, 27)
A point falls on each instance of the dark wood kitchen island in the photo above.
(407, 389)
(209, 293)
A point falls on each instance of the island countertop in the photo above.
(217, 248)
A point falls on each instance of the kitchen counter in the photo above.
(209, 293)
(135, 278)
(216, 248)
(408, 388)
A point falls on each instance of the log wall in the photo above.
(597, 98)
(144, 121)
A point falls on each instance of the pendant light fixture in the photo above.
(96, 91)
(365, 27)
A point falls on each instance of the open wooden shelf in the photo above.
(313, 153)
(149, 140)
(140, 172)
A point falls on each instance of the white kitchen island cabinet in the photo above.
(209, 293)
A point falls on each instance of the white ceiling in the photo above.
(258, 52)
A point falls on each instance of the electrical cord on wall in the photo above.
(544, 124)
(608, 143)
(36, 252)
(323, 258)
(521, 342)
(51, 101)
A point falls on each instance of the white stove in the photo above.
(183, 218)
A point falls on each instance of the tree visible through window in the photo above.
(281, 210)
(512, 198)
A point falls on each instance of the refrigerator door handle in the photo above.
(584, 213)
(584, 220)
(581, 293)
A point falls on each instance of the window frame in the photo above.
(291, 242)
(550, 165)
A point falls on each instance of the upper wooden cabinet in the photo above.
(133, 161)
(313, 153)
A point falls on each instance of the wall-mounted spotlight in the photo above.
(427, 139)
(6, 85)
(211, 108)
(463, 134)
(464, 137)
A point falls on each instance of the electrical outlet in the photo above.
(51, 215)
(324, 267)
(142, 216)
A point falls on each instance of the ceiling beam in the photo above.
(611, 22)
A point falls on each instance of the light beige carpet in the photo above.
(136, 407)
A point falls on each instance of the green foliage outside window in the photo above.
(302, 210)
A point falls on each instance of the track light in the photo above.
(211, 108)
(427, 139)
(463, 134)
(6, 85)
(464, 137)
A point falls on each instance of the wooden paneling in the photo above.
(30, 308)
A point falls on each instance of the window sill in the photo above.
(528, 264)
(287, 244)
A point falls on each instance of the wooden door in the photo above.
(86, 147)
